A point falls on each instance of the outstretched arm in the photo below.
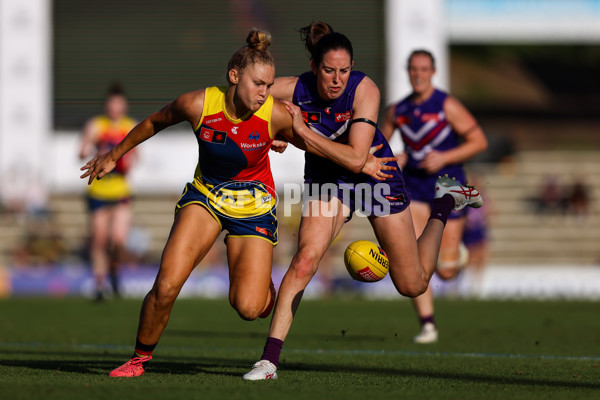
(184, 108)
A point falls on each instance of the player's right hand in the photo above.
(98, 167)
(374, 166)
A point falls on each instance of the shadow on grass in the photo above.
(457, 377)
(101, 363)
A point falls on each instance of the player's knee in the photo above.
(118, 245)
(451, 261)
(304, 265)
(100, 243)
(407, 283)
(447, 273)
(247, 310)
(116, 250)
(411, 288)
(165, 293)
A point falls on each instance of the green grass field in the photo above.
(337, 349)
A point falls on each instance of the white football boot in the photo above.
(261, 370)
(428, 334)
(464, 195)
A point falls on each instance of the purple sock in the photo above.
(442, 207)
(272, 350)
(427, 319)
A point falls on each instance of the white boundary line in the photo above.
(39, 345)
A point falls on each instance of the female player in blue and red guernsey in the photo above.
(335, 111)
(439, 135)
(232, 190)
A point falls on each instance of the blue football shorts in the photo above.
(243, 209)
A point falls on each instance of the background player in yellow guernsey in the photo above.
(232, 190)
(109, 199)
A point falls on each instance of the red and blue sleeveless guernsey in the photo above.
(332, 120)
(233, 149)
(233, 179)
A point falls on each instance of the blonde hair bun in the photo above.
(259, 39)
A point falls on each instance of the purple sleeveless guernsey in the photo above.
(424, 128)
(332, 120)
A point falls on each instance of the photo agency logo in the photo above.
(253, 199)
(363, 199)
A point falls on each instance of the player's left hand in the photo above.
(374, 166)
(298, 124)
(433, 162)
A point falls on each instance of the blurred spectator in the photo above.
(42, 244)
(550, 199)
(578, 199)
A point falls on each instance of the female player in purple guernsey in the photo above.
(335, 112)
(439, 134)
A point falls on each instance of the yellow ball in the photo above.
(365, 261)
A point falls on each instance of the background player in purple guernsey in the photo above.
(439, 135)
(335, 112)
